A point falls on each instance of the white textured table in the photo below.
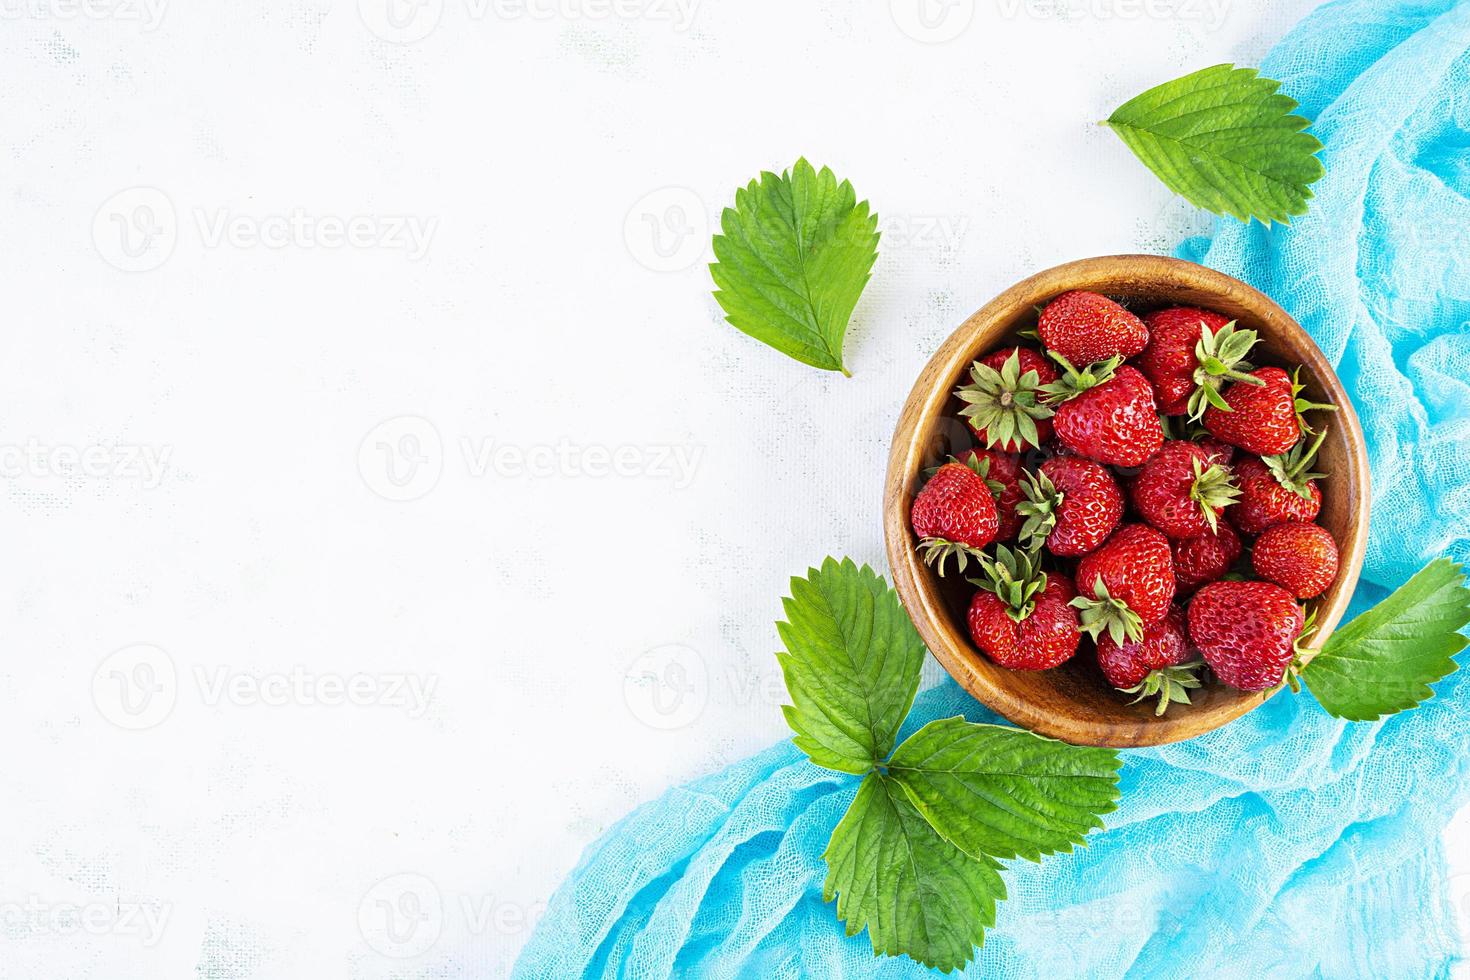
(389, 511)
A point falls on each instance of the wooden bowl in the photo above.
(1073, 702)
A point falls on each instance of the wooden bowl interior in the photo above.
(1074, 702)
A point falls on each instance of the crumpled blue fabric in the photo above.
(1287, 844)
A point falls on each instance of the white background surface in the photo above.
(612, 487)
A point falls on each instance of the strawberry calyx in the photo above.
(1293, 470)
(976, 464)
(1171, 685)
(1005, 404)
(1214, 490)
(1039, 508)
(1015, 577)
(1301, 655)
(937, 551)
(1103, 612)
(1303, 406)
(1221, 357)
(1074, 382)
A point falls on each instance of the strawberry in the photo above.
(954, 515)
(1158, 665)
(1301, 558)
(1106, 413)
(1071, 504)
(1247, 632)
(1126, 584)
(1190, 354)
(1002, 472)
(1278, 489)
(1264, 418)
(1084, 327)
(1219, 452)
(1206, 558)
(1002, 402)
(1020, 617)
(1181, 492)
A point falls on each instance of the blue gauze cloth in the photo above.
(1287, 844)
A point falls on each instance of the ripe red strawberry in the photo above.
(1247, 632)
(1126, 584)
(1206, 558)
(954, 514)
(1003, 399)
(1278, 489)
(1181, 492)
(1072, 505)
(1084, 327)
(1219, 452)
(1266, 418)
(1020, 617)
(1159, 665)
(1106, 413)
(1002, 472)
(1190, 354)
(1301, 558)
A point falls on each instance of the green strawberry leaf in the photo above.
(1384, 661)
(1225, 140)
(1004, 793)
(915, 893)
(796, 253)
(851, 665)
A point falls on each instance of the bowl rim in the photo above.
(915, 582)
